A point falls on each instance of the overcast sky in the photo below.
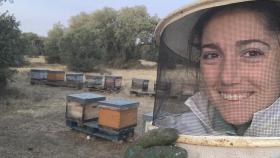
(38, 16)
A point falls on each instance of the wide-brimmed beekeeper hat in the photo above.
(175, 29)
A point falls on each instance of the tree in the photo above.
(106, 36)
(10, 47)
(80, 49)
(104, 23)
(52, 49)
(134, 28)
(79, 20)
(87, 39)
(34, 45)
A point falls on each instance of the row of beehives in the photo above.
(91, 81)
(90, 113)
(107, 82)
(74, 79)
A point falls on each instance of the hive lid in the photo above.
(39, 69)
(56, 71)
(85, 97)
(112, 76)
(74, 73)
(95, 75)
(139, 79)
(119, 103)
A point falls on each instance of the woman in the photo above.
(234, 45)
(237, 48)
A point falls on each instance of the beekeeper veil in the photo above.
(219, 68)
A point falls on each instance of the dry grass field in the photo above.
(32, 118)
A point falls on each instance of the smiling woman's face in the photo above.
(240, 65)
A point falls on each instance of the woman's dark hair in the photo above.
(268, 8)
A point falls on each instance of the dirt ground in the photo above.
(32, 120)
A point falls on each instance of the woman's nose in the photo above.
(230, 71)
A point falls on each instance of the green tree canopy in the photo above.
(80, 49)
(10, 46)
(34, 45)
(105, 37)
(51, 43)
(135, 29)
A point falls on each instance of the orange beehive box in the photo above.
(56, 75)
(117, 114)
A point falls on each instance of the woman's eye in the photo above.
(252, 53)
(209, 56)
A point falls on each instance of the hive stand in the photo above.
(92, 128)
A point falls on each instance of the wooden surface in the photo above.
(75, 111)
(91, 111)
(117, 119)
(54, 76)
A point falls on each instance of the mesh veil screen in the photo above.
(228, 80)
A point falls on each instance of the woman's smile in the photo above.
(235, 96)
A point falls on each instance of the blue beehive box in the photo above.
(118, 114)
(82, 107)
(39, 73)
(74, 77)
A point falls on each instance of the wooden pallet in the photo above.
(37, 82)
(90, 89)
(56, 83)
(74, 85)
(142, 93)
(92, 128)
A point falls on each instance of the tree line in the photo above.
(104, 38)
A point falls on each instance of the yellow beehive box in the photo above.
(117, 114)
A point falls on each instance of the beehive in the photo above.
(39, 74)
(74, 77)
(140, 84)
(56, 75)
(113, 82)
(117, 114)
(82, 107)
(95, 81)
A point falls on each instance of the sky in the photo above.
(38, 16)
